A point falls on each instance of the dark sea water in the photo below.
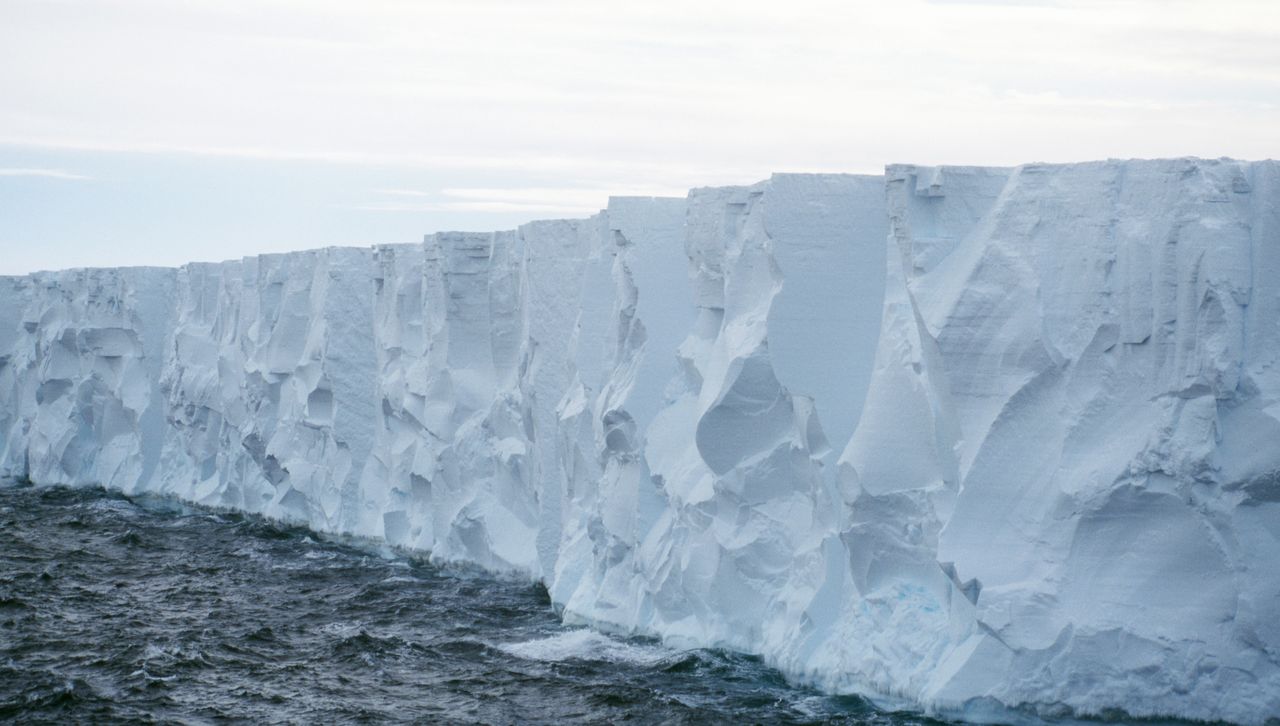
(113, 609)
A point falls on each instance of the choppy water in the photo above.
(113, 609)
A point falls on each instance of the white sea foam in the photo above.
(588, 645)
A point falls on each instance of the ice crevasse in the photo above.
(987, 442)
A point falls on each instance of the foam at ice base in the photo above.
(1021, 456)
(588, 645)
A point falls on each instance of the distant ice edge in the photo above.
(1025, 455)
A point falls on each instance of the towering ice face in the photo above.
(270, 385)
(1094, 399)
(80, 359)
(453, 416)
(969, 439)
(714, 521)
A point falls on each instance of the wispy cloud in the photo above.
(542, 200)
(44, 173)
(459, 206)
(405, 193)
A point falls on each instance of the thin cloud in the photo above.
(679, 176)
(547, 196)
(461, 206)
(404, 193)
(545, 200)
(45, 174)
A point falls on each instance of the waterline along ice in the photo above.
(967, 439)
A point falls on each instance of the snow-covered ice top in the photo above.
(983, 441)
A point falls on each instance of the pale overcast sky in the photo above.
(156, 132)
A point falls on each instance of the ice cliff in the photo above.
(988, 442)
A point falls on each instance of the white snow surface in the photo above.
(990, 443)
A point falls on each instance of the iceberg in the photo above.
(989, 443)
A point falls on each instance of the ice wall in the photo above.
(269, 387)
(80, 375)
(985, 442)
(1099, 351)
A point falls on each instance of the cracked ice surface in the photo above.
(967, 439)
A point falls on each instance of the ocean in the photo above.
(146, 610)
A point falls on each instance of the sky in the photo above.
(155, 132)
